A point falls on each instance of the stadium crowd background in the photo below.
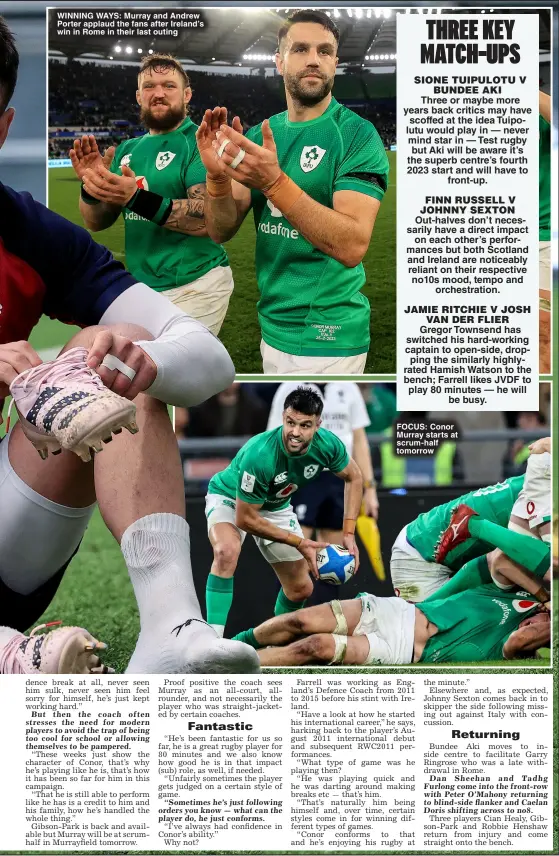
(94, 98)
(242, 410)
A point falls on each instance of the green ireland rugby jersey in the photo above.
(167, 164)
(264, 473)
(492, 503)
(310, 304)
(474, 624)
(545, 180)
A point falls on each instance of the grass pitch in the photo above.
(96, 593)
(241, 333)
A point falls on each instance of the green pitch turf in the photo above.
(240, 332)
(96, 593)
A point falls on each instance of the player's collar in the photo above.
(326, 115)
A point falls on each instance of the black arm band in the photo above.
(150, 206)
(88, 198)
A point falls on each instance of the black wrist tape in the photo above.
(150, 206)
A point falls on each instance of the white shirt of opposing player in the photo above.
(344, 408)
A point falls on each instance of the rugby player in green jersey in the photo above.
(414, 571)
(252, 495)
(157, 182)
(545, 231)
(522, 551)
(315, 177)
(484, 623)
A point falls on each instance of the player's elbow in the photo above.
(219, 371)
(352, 253)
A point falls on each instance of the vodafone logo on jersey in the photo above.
(287, 491)
(142, 182)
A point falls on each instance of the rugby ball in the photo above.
(335, 565)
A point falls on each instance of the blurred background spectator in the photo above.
(488, 451)
(89, 97)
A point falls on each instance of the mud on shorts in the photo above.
(413, 577)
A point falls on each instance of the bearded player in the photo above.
(252, 495)
(157, 183)
(315, 177)
(136, 354)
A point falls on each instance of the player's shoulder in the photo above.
(327, 438)
(188, 130)
(349, 120)
(267, 440)
(277, 121)
(130, 144)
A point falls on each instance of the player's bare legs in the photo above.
(138, 483)
(283, 629)
(319, 648)
(295, 581)
(226, 543)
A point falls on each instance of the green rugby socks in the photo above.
(219, 597)
(283, 604)
(531, 553)
(473, 573)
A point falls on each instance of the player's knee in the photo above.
(225, 555)
(317, 648)
(299, 622)
(298, 591)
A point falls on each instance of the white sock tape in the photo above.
(239, 159)
(111, 362)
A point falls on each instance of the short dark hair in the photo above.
(9, 62)
(304, 400)
(308, 16)
(163, 62)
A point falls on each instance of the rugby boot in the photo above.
(64, 651)
(456, 532)
(63, 404)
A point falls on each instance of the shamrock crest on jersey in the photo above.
(310, 471)
(311, 157)
(125, 160)
(163, 159)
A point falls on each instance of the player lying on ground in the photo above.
(415, 573)
(252, 495)
(315, 177)
(418, 568)
(157, 182)
(524, 546)
(484, 623)
(144, 350)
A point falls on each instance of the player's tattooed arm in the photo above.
(187, 215)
